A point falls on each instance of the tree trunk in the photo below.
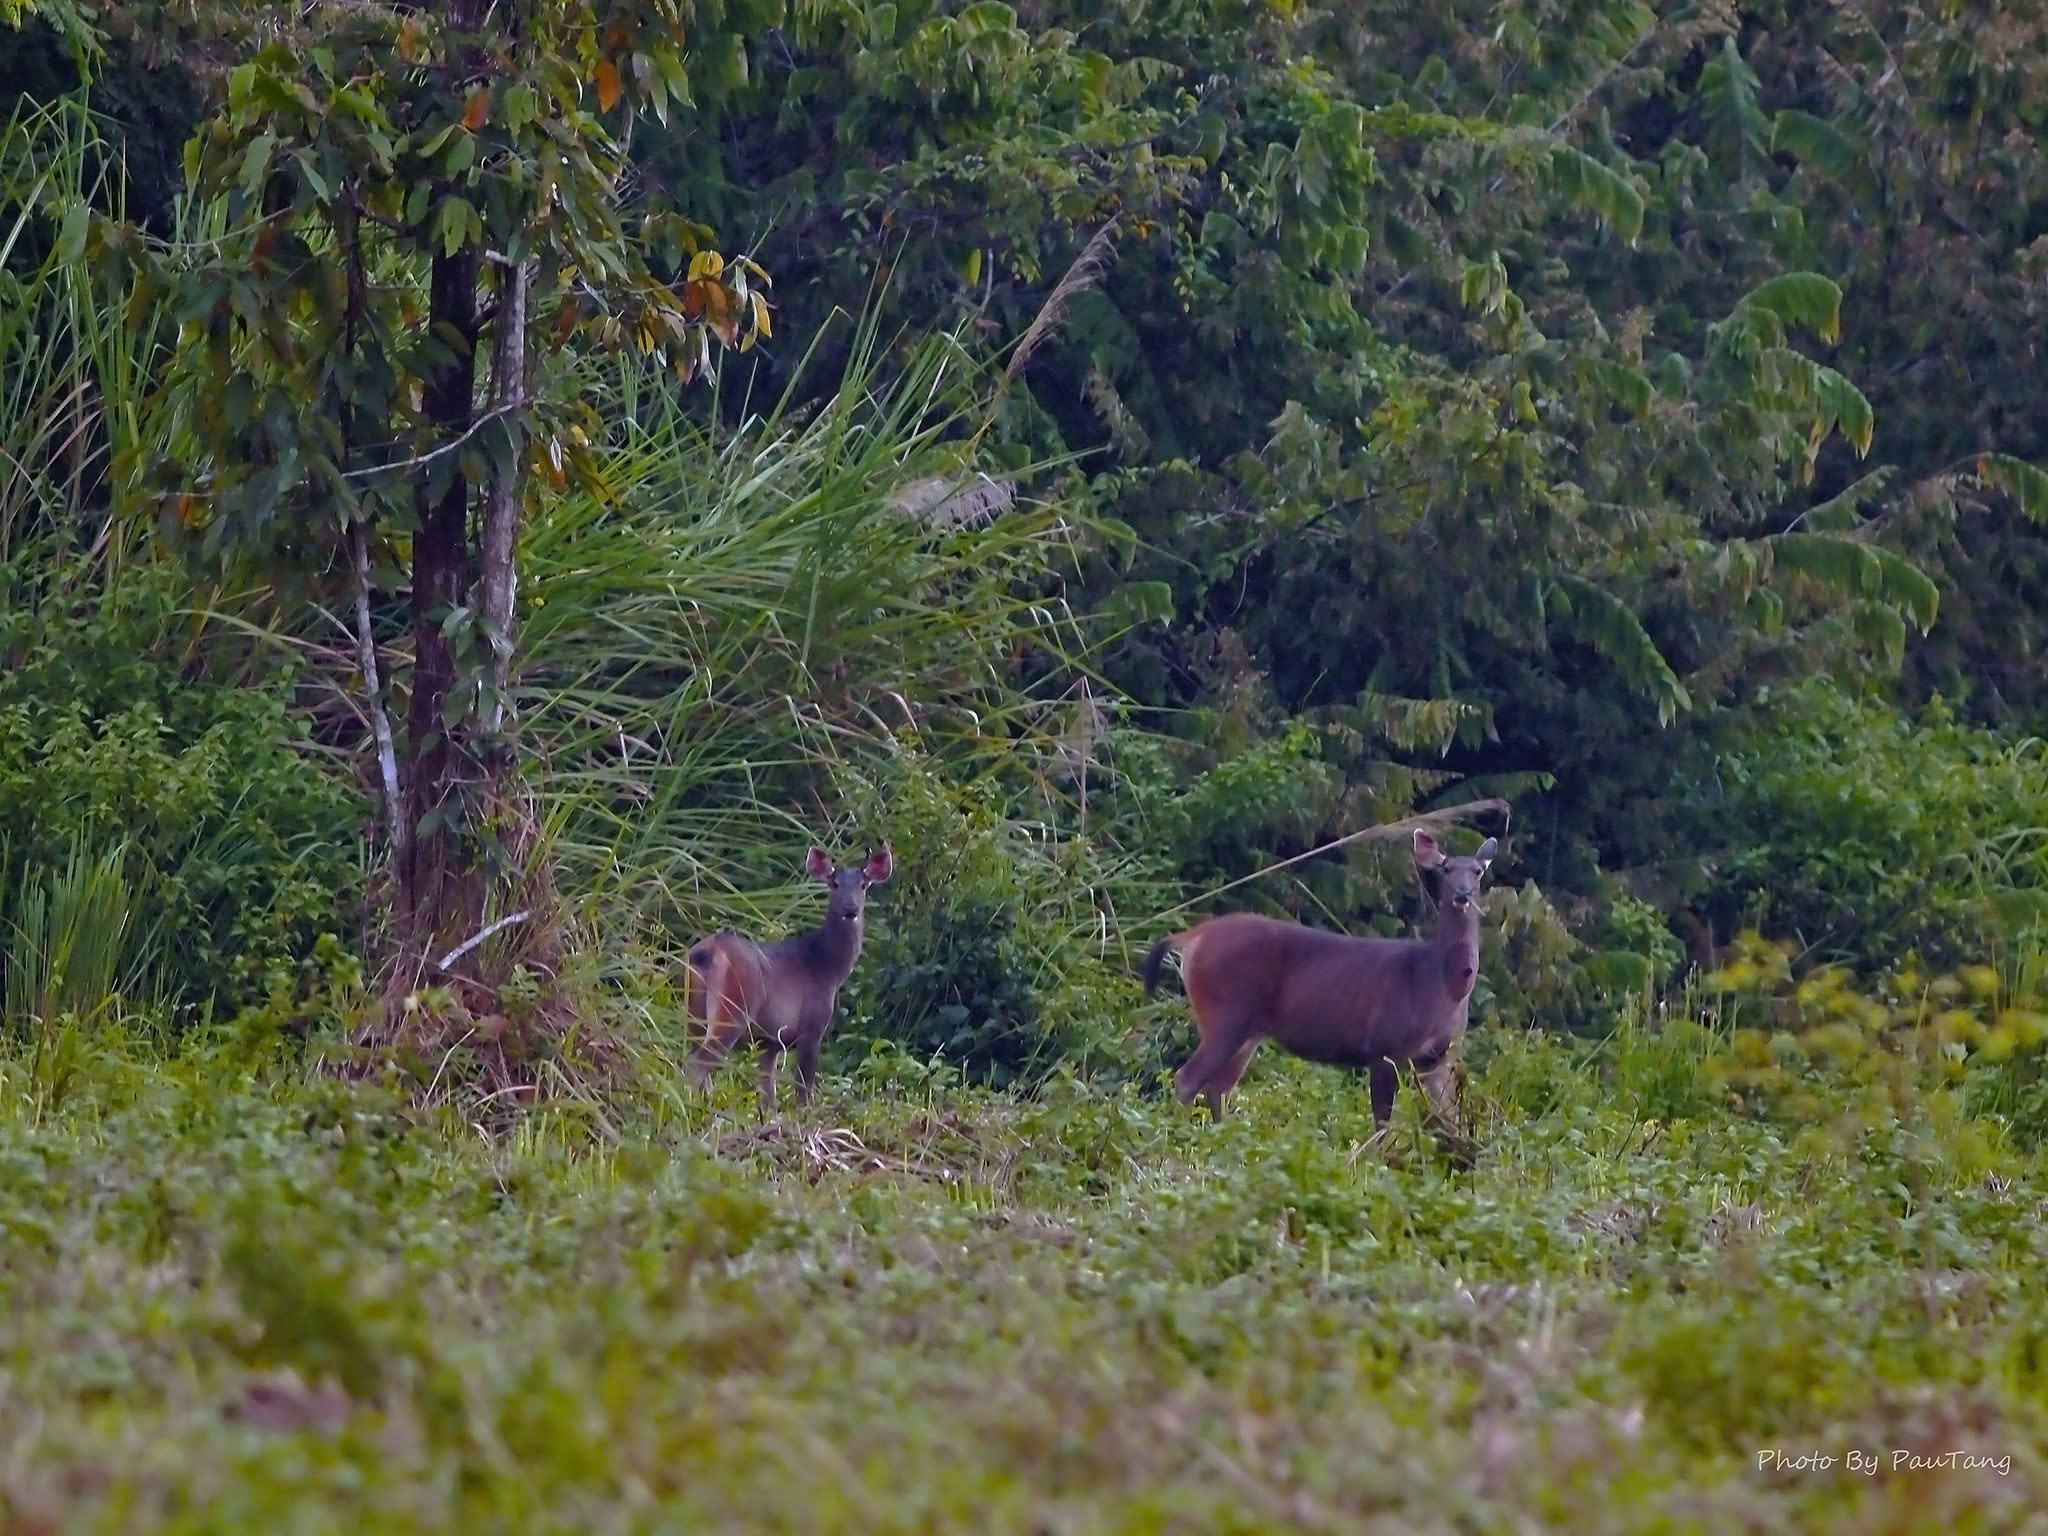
(429, 888)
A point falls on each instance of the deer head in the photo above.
(848, 884)
(1457, 878)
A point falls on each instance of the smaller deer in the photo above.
(1331, 998)
(781, 995)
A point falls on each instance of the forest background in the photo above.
(480, 493)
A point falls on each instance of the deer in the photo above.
(782, 995)
(1330, 998)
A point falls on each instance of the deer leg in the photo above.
(1439, 1079)
(717, 1044)
(1386, 1077)
(807, 1048)
(713, 996)
(771, 1057)
(1211, 1057)
(1225, 1077)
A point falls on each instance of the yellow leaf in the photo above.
(761, 316)
(706, 264)
(607, 85)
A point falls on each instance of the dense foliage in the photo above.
(1489, 400)
(482, 490)
(235, 861)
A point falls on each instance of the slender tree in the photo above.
(412, 212)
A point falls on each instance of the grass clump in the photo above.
(236, 1302)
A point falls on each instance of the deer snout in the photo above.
(1461, 899)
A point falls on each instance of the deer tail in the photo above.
(706, 979)
(1154, 957)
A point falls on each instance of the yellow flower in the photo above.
(1981, 980)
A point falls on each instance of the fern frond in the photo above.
(1798, 298)
(1599, 189)
(1603, 621)
(1842, 509)
(1854, 567)
(1816, 142)
(2025, 484)
(1738, 131)
(1414, 724)
(1628, 387)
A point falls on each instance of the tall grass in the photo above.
(74, 940)
(74, 361)
(750, 625)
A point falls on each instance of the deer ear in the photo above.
(818, 863)
(879, 866)
(1486, 852)
(1426, 854)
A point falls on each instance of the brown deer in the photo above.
(1330, 998)
(781, 995)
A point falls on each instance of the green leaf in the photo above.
(988, 16)
(1619, 970)
(1598, 618)
(255, 161)
(1598, 189)
(1674, 376)
(71, 238)
(454, 223)
(1816, 142)
(1882, 629)
(2025, 484)
(1628, 387)
(521, 105)
(313, 177)
(1851, 566)
(1847, 409)
(1484, 284)
(1737, 129)
(1139, 602)
(1800, 298)
(1842, 510)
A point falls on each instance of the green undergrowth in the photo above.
(236, 1301)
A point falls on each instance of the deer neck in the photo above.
(1457, 945)
(835, 946)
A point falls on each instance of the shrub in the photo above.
(1894, 1047)
(988, 946)
(1871, 833)
(240, 854)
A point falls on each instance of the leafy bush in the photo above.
(988, 948)
(1892, 1047)
(1872, 833)
(240, 853)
